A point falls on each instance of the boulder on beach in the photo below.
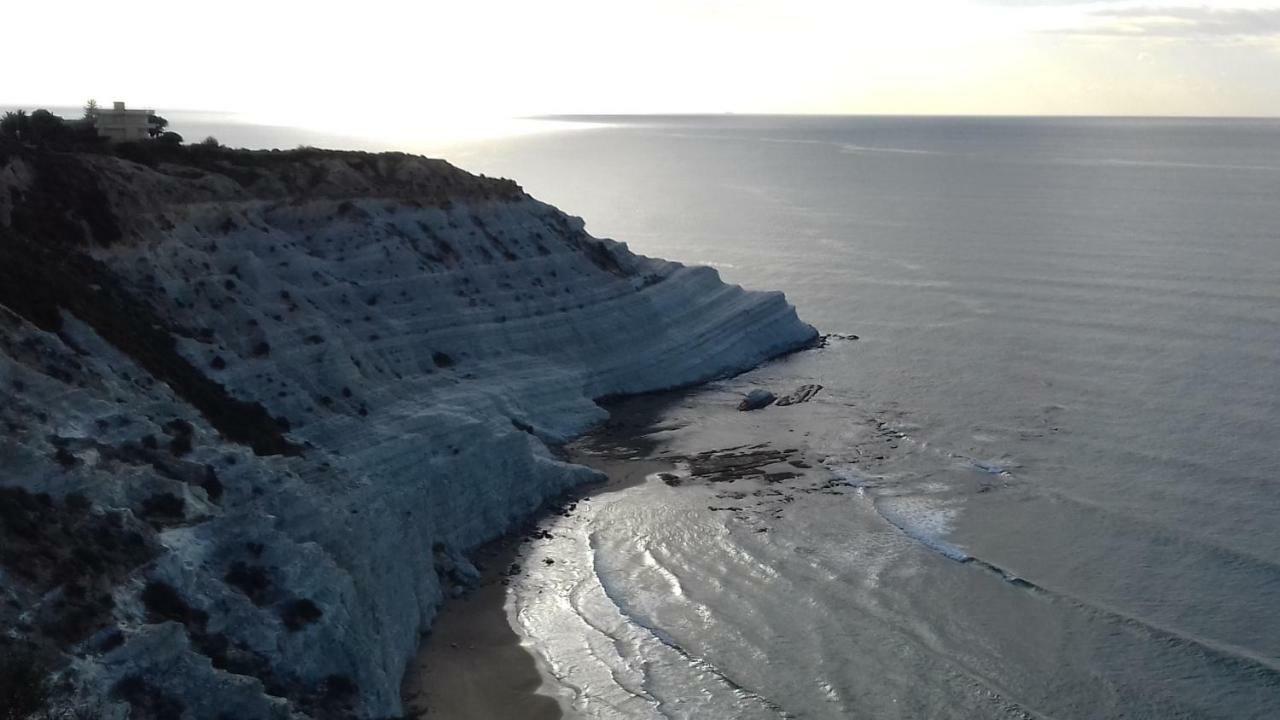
(756, 399)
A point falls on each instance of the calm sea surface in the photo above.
(1058, 434)
(1054, 447)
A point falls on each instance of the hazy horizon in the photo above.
(242, 130)
(396, 70)
(65, 110)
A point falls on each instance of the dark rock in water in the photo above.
(669, 478)
(802, 394)
(756, 399)
(823, 340)
(728, 466)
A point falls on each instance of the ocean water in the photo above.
(1045, 478)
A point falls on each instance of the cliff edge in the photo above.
(257, 406)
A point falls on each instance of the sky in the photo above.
(342, 66)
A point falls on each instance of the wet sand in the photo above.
(473, 665)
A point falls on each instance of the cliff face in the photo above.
(273, 398)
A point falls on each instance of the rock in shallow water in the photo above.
(756, 399)
(802, 394)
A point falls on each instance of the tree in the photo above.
(211, 142)
(15, 125)
(169, 138)
(91, 110)
(158, 124)
(45, 128)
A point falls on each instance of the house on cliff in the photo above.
(120, 124)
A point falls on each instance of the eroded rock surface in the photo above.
(272, 398)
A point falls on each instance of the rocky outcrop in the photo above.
(289, 390)
(802, 394)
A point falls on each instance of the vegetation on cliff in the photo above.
(66, 550)
(262, 402)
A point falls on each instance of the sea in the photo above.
(1045, 478)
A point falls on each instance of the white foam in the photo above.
(924, 518)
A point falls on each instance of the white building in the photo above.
(119, 124)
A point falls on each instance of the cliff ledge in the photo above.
(257, 406)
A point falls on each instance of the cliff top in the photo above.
(50, 190)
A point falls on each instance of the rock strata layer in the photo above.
(261, 404)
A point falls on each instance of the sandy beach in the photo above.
(473, 665)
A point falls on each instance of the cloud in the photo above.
(1178, 22)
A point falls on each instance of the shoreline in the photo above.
(474, 664)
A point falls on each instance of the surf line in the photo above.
(670, 642)
(1225, 652)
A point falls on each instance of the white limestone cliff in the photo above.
(422, 346)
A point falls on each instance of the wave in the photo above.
(923, 522)
(870, 149)
(1228, 653)
(927, 526)
(927, 514)
(985, 466)
(1170, 164)
(639, 621)
(849, 148)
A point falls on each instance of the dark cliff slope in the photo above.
(258, 405)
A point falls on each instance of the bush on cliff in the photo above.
(163, 603)
(71, 555)
(15, 124)
(44, 129)
(24, 680)
(147, 702)
(252, 580)
(298, 614)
